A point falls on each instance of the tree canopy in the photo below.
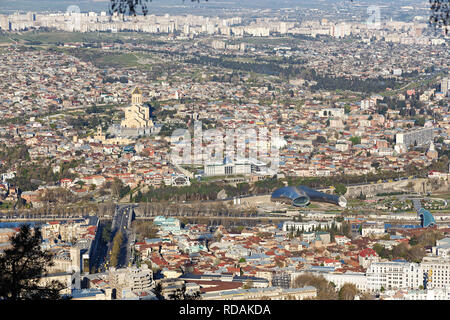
(325, 290)
(348, 292)
(23, 266)
(131, 7)
(340, 189)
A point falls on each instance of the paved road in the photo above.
(121, 223)
(417, 204)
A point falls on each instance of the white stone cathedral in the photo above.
(137, 116)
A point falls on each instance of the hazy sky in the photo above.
(99, 5)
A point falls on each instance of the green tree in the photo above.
(420, 122)
(375, 164)
(340, 189)
(355, 140)
(106, 232)
(347, 109)
(23, 266)
(381, 250)
(413, 240)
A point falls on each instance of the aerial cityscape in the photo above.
(224, 150)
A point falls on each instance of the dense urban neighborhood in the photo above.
(278, 154)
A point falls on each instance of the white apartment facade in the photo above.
(358, 279)
(308, 226)
(134, 279)
(372, 229)
(414, 137)
(433, 273)
(445, 85)
(437, 272)
(430, 294)
(394, 275)
(442, 248)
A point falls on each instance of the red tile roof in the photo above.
(367, 252)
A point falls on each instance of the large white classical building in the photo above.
(238, 167)
(432, 273)
(358, 279)
(394, 275)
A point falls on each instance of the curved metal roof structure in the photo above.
(300, 196)
(426, 218)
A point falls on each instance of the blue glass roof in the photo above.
(426, 217)
(287, 192)
(301, 195)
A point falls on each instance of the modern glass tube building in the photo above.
(426, 218)
(300, 196)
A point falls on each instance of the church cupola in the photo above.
(136, 96)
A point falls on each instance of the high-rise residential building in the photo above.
(445, 85)
(4, 23)
(414, 137)
(31, 16)
(134, 279)
(75, 257)
(186, 29)
(283, 28)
